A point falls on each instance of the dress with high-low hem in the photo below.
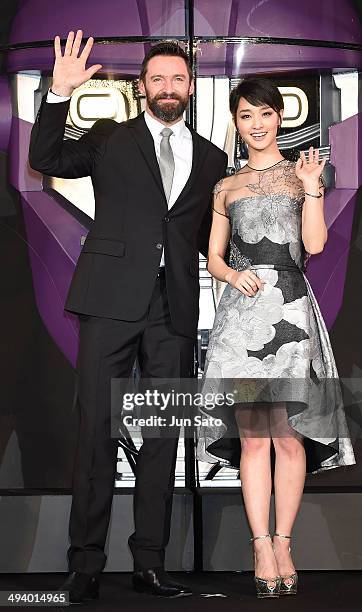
(277, 339)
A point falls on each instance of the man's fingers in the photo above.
(92, 70)
(77, 43)
(302, 157)
(69, 44)
(57, 47)
(87, 49)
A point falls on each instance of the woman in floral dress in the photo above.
(268, 326)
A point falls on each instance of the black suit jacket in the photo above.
(118, 265)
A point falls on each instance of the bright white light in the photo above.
(239, 56)
(24, 86)
(205, 106)
(77, 191)
(91, 103)
(213, 117)
(295, 106)
(348, 84)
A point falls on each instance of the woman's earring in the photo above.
(241, 148)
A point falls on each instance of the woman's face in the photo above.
(257, 125)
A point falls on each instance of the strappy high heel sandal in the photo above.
(266, 587)
(289, 583)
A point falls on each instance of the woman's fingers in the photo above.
(246, 291)
(242, 285)
(249, 284)
(312, 161)
(259, 283)
(256, 281)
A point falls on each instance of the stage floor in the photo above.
(213, 592)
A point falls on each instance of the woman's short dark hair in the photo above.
(258, 92)
(167, 48)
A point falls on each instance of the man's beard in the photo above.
(167, 112)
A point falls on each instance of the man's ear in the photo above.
(141, 87)
(192, 87)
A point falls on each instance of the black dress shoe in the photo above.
(81, 587)
(157, 582)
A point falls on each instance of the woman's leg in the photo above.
(255, 476)
(289, 478)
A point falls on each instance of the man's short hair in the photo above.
(167, 48)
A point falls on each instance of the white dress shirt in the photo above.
(51, 97)
(181, 145)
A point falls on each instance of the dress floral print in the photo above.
(279, 334)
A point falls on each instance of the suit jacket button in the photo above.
(166, 219)
(158, 245)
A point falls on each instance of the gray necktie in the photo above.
(167, 162)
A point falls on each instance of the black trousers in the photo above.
(108, 349)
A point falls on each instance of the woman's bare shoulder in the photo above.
(224, 184)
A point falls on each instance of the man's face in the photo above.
(167, 87)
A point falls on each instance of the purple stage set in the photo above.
(313, 52)
(287, 41)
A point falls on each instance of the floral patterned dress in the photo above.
(279, 334)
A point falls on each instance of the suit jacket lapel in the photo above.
(197, 162)
(146, 145)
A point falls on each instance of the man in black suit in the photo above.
(135, 289)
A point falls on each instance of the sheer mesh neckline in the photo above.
(278, 180)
